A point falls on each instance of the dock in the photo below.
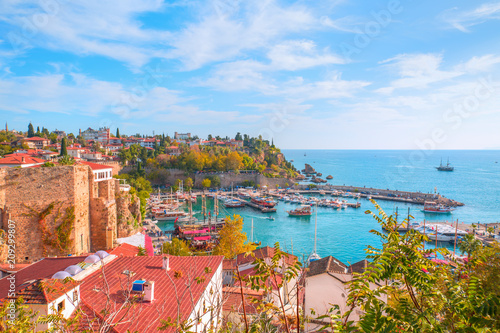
(259, 207)
(417, 198)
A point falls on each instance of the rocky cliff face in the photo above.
(128, 211)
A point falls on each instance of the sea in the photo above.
(345, 234)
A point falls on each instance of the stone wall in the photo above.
(226, 178)
(128, 209)
(29, 192)
(59, 192)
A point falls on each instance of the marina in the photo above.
(344, 231)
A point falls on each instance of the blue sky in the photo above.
(309, 74)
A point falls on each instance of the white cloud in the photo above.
(300, 54)
(228, 30)
(463, 20)
(480, 64)
(416, 71)
(92, 27)
(332, 88)
(77, 94)
(239, 76)
(345, 24)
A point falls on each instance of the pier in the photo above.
(417, 198)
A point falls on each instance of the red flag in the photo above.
(176, 219)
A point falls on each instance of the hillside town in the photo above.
(90, 238)
(82, 248)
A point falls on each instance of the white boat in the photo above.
(314, 256)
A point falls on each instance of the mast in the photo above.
(315, 226)
(424, 235)
(190, 211)
(408, 222)
(251, 235)
(455, 243)
(436, 236)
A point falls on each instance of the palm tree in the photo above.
(469, 244)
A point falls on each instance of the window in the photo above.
(75, 296)
(60, 306)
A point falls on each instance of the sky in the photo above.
(324, 74)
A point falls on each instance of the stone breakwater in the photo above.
(384, 194)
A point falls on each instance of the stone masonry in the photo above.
(38, 197)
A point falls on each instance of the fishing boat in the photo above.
(266, 202)
(233, 203)
(435, 208)
(304, 210)
(169, 215)
(446, 167)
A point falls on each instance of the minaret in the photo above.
(6, 127)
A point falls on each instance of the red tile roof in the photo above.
(95, 166)
(36, 138)
(18, 159)
(43, 269)
(262, 253)
(229, 264)
(44, 291)
(233, 301)
(10, 268)
(183, 270)
(126, 250)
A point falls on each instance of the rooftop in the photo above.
(326, 265)
(17, 158)
(168, 284)
(44, 291)
(95, 166)
(43, 269)
(262, 253)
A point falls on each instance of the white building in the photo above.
(326, 284)
(101, 172)
(101, 135)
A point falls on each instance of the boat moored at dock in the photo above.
(304, 210)
(435, 208)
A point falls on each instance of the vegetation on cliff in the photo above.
(247, 155)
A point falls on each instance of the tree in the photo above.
(66, 160)
(238, 137)
(117, 132)
(188, 183)
(469, 244)
(422, 296)
(31, 131)
(64, 151)
(234, 161)
(232, 240)
(206, 183)
(141, 252)
(176, 247)
(15, 316)
(210, 137)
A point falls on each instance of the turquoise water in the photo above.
(345, 233)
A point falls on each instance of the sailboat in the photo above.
(446, 167)
(314, 256)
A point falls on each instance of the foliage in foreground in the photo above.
(422, 296)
